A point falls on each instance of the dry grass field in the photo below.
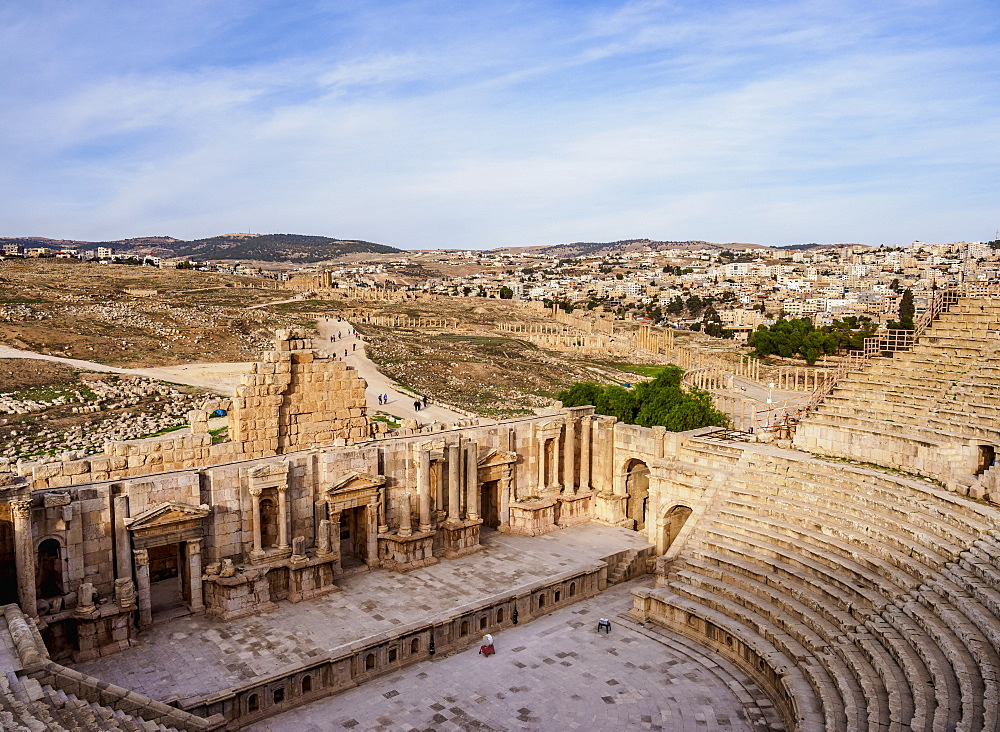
(82, 310)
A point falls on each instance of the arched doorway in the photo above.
(48, 569)
(637, 487)
(673, 522)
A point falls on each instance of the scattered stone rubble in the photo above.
(89, 437)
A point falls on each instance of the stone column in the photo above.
(540, 446)
(194, 572)
(405, 526)
(454, 482)
(472, 481)
(123, 541)
(282, 517)
(569, 460)
(383, 510)
(142, 587)
(556, 477)
(423, 489)
(24, 557)
(586, 430)
(505, 495)
(257, 541)
(437, 488)
(371, 535)
(334, 530)
(323, 538)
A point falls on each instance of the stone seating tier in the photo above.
(26, 705)
(884, 503)
(888, 585)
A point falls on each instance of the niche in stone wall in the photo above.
(49, 569)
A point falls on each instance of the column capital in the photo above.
(255, 491)
(282, 487)
(194, 543)
(141, 557)
(21, 509)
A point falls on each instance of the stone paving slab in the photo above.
(554, 673)
(194, 655)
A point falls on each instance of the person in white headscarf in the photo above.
(487, 648)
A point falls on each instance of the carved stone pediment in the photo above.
(354, 482)
(550, 427)
(166, 514)
(497, 457)
(433, 445)
(353, 489)
(268, 472)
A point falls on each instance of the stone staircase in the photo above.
(625, 565)
(865, 600)
(40, 695)
(622, 569)
(28, 706)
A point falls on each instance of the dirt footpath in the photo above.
(335, 337)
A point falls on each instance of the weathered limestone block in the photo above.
(404, 553)
(532, 518)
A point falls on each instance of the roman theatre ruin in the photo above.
(849, 566)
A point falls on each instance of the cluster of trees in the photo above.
(798, 336)
(661, 401)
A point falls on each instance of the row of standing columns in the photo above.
(456, 466)
(562, 475)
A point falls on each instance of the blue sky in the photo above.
(481, 124)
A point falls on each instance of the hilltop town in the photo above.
(689, 285)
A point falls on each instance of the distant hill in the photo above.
(602, 249)
(259, 247)
(276, 247)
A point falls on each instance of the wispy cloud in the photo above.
(498, 124)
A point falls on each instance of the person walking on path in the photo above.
(416, 406)
(487, 648)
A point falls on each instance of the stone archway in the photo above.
(637, 488)
(673, 522)
(49, 569)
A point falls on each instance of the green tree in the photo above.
(661, 401)
(906, 310)
(506, 293)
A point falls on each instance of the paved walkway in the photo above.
(555, 673)
(351, 349)
(194, 655)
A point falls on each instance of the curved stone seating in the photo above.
(883, 590)
(924, 409)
